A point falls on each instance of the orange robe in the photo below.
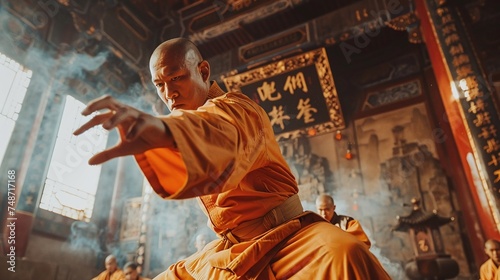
(351, 226)
(227, 156)
(488, 271)
(117, 275)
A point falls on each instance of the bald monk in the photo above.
(112, 271)
(325, 207)
(220, 148)
(488, 270)
(131, 273)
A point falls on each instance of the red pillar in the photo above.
(441, 45)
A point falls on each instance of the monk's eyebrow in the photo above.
(164, 74)
(171, 71)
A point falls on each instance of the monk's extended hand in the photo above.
(139, 131)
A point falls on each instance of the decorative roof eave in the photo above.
(418, 218)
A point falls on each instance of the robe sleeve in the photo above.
(217, 145)
(488, 270)
(354, 228)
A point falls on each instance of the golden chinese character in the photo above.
(495, 159)
(451, 39)
(476, 106)
(239, 4)
(487, 132)
(305, 110)
(460, 59)
(445, 19)
(451, 28)
(492, 145)
(456, 49)
(278, 116)
(497, 174)
(464, 71)
(473, 108)
(473, 94)
(482, 119)
(266, 91)
(493, 131)
(442, 11)
(471, 82)
(294, 82)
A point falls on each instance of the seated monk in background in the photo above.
(325, 207)
(489, 269)
(112, 271)
(131, 273)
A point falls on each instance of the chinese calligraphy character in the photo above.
(460, 59)
(497, 173)
(471, 82)
(294, 82)
(453, 38)
(495, 159)
(268, 91)
(474, 93)
(477, 106)
(278, 116)
(446, 19)
(492, 145)
(456, 49)
(239, 4)
(482, 119)
(449, 29)
(305, 110)
(464, 71)
(442, 11)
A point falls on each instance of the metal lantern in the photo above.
(431, 261)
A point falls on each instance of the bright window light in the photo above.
(71, 182)
(14, 80)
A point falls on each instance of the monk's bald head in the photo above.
(325, 206)
(491, 243)
(326, 199)
(110, 258)
(180, 75)
(176, 50)
(110, 263)
(492, 249)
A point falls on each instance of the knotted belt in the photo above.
(248, 230)
(246, 251)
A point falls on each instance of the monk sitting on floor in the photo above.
(112, 271)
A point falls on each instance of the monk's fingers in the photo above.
(96, 120)
(105, 102)
(121, 149)
(145, 122)
(122, 114)
(106, 155)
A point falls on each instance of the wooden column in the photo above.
(470, 110)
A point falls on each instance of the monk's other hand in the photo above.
(139, 131)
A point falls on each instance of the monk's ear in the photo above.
(204, 70)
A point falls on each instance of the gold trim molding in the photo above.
(319, 59)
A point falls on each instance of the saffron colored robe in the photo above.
(352, 226)
(117, 275)
(228, 157)
(488, 271)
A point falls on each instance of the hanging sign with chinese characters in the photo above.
(298, 94)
